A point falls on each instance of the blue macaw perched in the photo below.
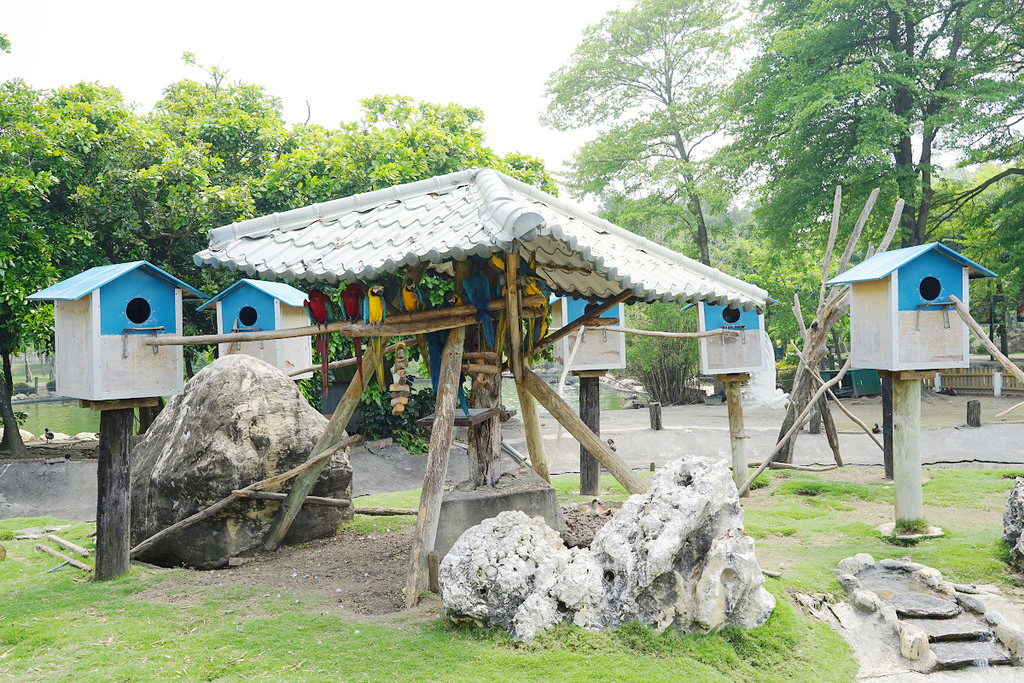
(435, 345)
(374, 312)
(478, 291)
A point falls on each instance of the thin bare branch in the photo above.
(857, 229)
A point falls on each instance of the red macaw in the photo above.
(352, 303)
(319, 311)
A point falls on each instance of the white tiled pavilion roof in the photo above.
(476, 212)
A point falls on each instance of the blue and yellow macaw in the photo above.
(411, 299)
(536, 328)
(374, 312)
(478, 290)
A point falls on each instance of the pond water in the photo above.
(59, 416)
(610, 398)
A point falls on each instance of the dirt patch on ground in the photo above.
(362, 574)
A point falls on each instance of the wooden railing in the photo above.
(978, 380)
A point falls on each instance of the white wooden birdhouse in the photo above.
(901, 317)
(255, 305)
(729, 354)
(103, 317)
(602, 347)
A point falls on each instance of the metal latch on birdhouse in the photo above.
(944, 305)
(742, 329)
(236, 328)
(131, 330)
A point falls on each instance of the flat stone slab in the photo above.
(959, 654)
(958, 628)
(922, 605)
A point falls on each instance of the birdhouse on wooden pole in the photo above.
(902, 324)
(255, 305)
(602, 346)
(732, 354)
(102, 319)
(901, 317)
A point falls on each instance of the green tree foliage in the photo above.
(869, 93)
(397, 140)
(667, 367)
(651, 80)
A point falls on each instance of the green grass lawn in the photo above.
(60, 624)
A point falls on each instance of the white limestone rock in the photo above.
(1013, 524)
(676, 556)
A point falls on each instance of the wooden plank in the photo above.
(476, 416)
(906, 446)
(590, 413)
(575, 426)
(122, 404)
(67, 545)
(531, 419)
(334, 433)
(61, 556)
(114, 494)
(310, 500)
(437, 466)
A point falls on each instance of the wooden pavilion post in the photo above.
(531, 419)
(590, 413)
(114, 494)
(334, 432)
(437, 466)
(737, 438)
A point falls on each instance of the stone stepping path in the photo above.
(927, 608)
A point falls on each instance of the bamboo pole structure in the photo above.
(334, 433)
(572, 422)
(531, 419)
(437, 465)
(397, 325)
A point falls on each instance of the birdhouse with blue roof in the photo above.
(255, 305)
(602, 346)
(734, 353)
(901, 316)
(103, 318)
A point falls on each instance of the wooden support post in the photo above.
(484, 449)
(531, 419)
(974, 413)
(654, 408)
(737, 438)
(575, 426)
(590, 413)
(114, 494)
(906, 403)
(441, 435)
(333, 433)
(433, 572)
(887, 423)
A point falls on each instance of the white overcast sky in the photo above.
(493, 55)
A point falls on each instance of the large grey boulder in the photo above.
(675, 556)
(1013, 524)
(239, 420)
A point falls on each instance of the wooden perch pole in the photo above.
(437, 466)
(979, 332)
(517, 359)
(334, 433)
(348, 362)
(397, 325)
(734, 400)
(575, 426)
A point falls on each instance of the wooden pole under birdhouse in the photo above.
(906, 444)
(114, 494)
(737, 437)
(590, 413)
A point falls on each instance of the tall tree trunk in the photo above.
(702, 229)
(12, 442)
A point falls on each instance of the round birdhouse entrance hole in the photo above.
(137, 310)
(930, 288)
(730, 315)
(247, 316)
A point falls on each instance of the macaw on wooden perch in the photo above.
(352, 305)
(319, 311)
(374, 312)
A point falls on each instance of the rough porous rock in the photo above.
(676, 556)
(497, 564)
(1013, 524)
(239, 420)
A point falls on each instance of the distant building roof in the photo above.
(79, 285)
(279, 290)
(477, 212)
(881, 265)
